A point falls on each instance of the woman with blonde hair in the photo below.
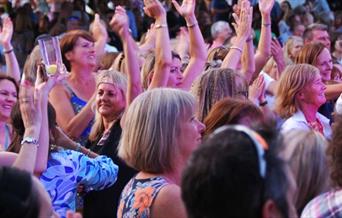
(300, 93)
(216, 84)
(292, 47)
(305, 153)
(159, 136)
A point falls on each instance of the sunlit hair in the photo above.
(310, 53)
(305, 152)
(152, 126)
(214, 85)
(68, 43)
(230, 111)
(289, 46)
(294, 78)
(147, 68)
(112, 77)
(31, 63)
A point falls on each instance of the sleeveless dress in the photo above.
(138, 196)
(77, 105)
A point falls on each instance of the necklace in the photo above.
(316, 125)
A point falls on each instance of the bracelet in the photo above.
(158, 26)
(237, 48)
(8, 51)
(263, 103)
(266, 24)
(192, 25)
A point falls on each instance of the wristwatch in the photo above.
(29, 140)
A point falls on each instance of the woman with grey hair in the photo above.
(159, 136)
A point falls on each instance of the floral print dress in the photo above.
(138, 197)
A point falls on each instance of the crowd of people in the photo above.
(180, 108)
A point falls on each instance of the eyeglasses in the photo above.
(259, 143)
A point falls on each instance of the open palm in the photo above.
(265, 6)
(6, 31)
(186, 9)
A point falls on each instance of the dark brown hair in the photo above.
(11, 79)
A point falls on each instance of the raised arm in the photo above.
(73, 124)
(232, 59)
(264, 47)
(120, 25)
(100, 34)
(5, 40)
(197, 49)
(154, 9)
(43, 87)
(30, 108)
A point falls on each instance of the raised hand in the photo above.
(154, 9)
(243, 22)
(265, 6)
(187, 8)
(30, 108)
(44, 84)
(119, 22)
(6, 32)
(98, 28)
(256, 91)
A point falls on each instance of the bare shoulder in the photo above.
(168, 203)
(59, 91)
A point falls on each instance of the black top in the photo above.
(105, 203)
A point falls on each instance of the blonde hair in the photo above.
(305, 152)
(290, 44)
(146, 69)
(216, 84)
(294, 78)
(117, 79)
(149, 139)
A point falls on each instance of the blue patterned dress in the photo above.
(77, 105)
(138, 196)
(66, 169)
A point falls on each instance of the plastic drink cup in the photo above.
(51, 54)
